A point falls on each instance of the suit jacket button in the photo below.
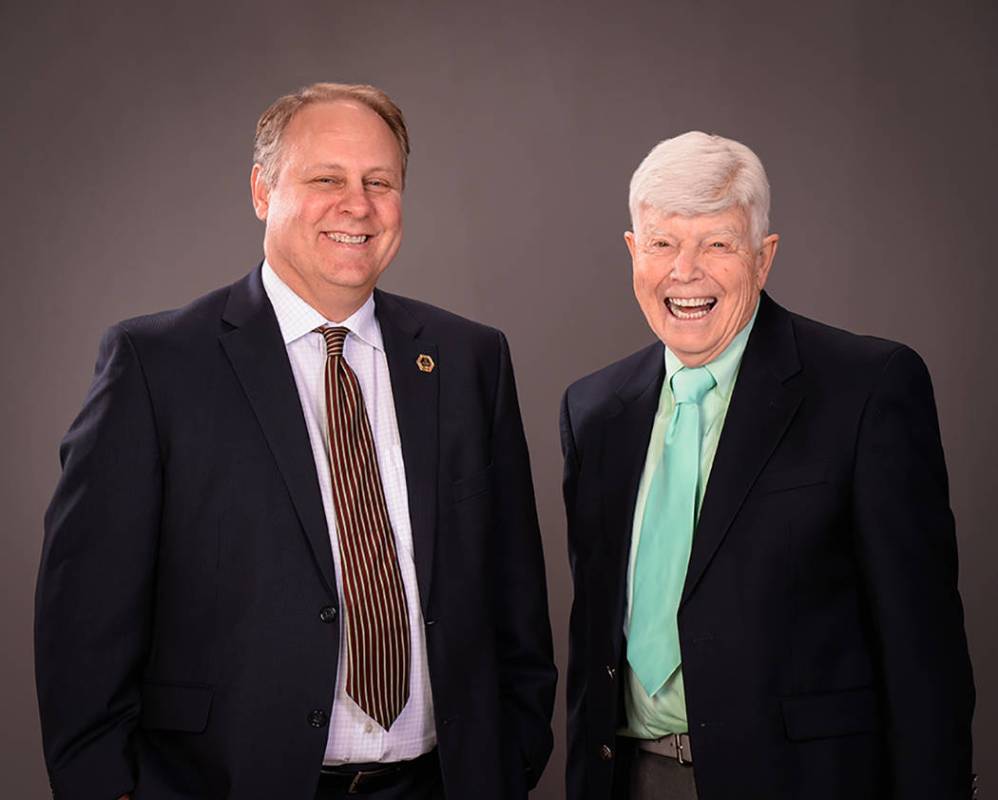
(327, 614)
(317, 718)
(605, 752)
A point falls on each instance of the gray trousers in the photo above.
(655, 777)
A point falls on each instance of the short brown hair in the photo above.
(271, 125)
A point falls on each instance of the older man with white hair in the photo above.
(761, 542)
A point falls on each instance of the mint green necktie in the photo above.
(667, 536)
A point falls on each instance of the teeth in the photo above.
(346, 238)
(677, 304)
(690, 314)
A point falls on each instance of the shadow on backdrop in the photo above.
(128, 150)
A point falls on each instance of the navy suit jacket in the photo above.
(182, 641)
(822, 635)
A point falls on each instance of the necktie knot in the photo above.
(690, 385)
(335, 337)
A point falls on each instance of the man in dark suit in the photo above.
(761, 543)
(294, 550)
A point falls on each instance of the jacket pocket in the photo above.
(472, 485)
(176, 706)
(782, 479)
(818, 716)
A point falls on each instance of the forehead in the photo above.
(341, 129)
(652, 221)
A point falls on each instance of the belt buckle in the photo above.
(678, 742)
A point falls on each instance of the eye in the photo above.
(377, 183)
(720, 246)
(660, 244)
(327, 180)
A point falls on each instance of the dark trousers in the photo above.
(422, 781)
(655, 777)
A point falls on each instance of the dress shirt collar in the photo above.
(724, 368)
(297, 318)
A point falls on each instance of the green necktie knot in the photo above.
(689, 385)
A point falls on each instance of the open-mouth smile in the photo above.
(348, 238)
(690, 307)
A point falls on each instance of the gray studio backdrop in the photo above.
(127, 135)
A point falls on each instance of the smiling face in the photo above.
(697, 279)
(334, 212)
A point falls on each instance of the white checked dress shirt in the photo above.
(353, 736)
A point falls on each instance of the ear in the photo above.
(764, 259)
(260, 192)
(629, 241)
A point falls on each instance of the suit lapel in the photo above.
(761, 409)
(415, 393)
(624, 447)
(260, 360)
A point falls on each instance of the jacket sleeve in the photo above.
(907, 548)
(93, 596)
(523, 631)
(578, 632)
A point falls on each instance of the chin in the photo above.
(350, 279)
(688, 346)
(688, 338)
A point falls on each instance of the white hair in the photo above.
(699, 173)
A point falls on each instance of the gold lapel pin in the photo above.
(425, 363)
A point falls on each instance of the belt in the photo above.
(672, 745)
(364, 778)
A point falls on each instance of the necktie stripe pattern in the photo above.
(376, 618)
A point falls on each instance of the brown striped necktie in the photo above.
(376, 619)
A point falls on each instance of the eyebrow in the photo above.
(332, 166)
(719, 231)
(707, 235)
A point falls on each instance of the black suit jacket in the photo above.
(186, 582)
(822, 634)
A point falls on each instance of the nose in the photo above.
(354, 201)
(685, 266)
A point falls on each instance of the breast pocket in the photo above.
(782, 480)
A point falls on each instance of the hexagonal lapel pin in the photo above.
(425, 363)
